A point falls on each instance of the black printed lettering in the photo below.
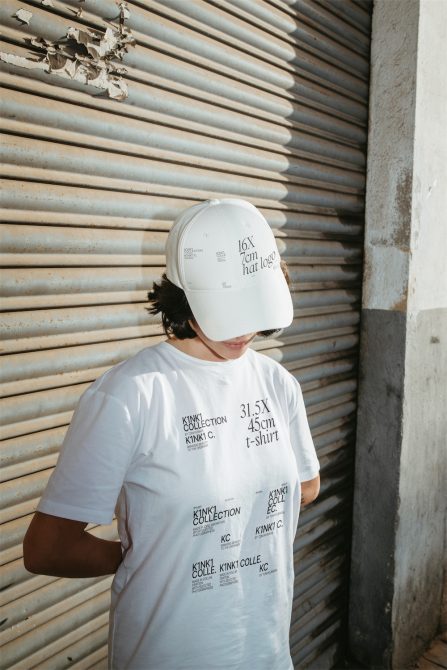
(202, 515)
(265, 528)
(250, 560)
(203, 568)
(228, 565)
(246, 243)
(277, 497)
(251, 261)
(194, 425)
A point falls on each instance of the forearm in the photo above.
(62, 548)
(89, 556)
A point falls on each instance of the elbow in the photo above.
(314, 496)
(308, 498)
(316, 490)
(29, 558)
(29, 562)
(31, 565)
(36, 564)
(34, 558)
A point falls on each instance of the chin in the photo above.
(230, 352)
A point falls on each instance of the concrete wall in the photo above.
(419, 552)
(401, 465)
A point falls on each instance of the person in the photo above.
(202, 448)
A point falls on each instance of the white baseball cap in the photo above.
(223, 254)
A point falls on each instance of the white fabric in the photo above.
(203, 462)
(223, 254)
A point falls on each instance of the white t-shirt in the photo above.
(202, 463)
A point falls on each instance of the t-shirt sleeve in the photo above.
(301, 438)
(94, 458)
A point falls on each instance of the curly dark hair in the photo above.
(170, 301)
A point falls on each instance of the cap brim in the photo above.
(227, 313)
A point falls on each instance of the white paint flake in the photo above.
(24, 16)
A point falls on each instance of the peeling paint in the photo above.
(20, 61)
(24, 16)
(80, 11)
(124, 11)
(86, 56)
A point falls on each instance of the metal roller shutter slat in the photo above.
(85, 619)
(89, 649)
(169, 107)
(258, 188)
(76, 590)
(335, 165)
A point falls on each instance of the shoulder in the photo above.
(271, 366)
(131, 377)
(273, 371)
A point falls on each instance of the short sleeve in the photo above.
(94, 458)
(300, 436)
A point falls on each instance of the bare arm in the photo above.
(62, 548)
(310, 490)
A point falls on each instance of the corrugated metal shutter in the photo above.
(263, 100)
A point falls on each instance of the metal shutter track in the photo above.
(262, 100)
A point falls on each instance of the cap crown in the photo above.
(220, 244)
